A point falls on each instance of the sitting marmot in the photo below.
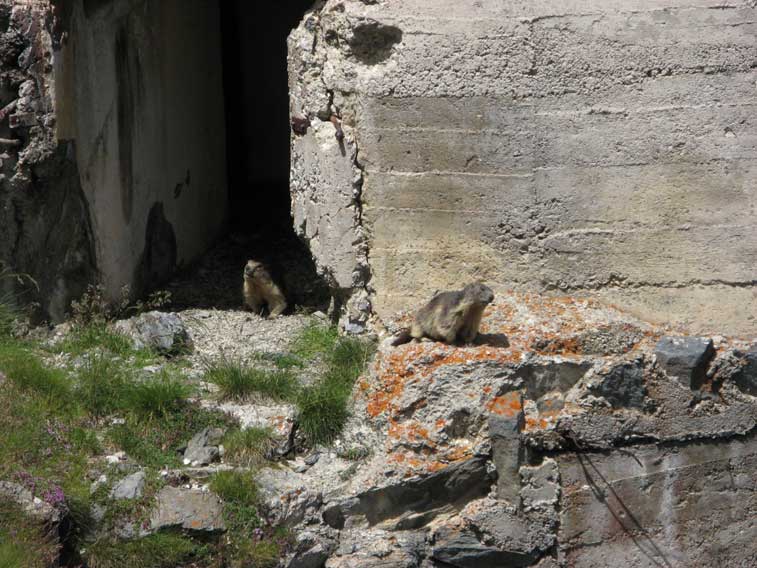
(261, 291)
(451, 317)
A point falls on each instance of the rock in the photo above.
(116, 458)
(623, 386)
(163, 332)
(746, 378)
(203, 449)
(130, 487)
(685, 358)
(504, 431)
(311, 550)
(457, 483)
(188, 509)
(540, 486)
(378, 549)
(459, 547)
(31, 505)
(540, 379)
(278, 417)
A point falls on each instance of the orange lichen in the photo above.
(508, 405)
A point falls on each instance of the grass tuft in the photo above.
(248, 447)
(154, 551)
(238, 381)
(100, 385)
(157, 397)
(323, 407)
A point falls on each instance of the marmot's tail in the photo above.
(401, 337)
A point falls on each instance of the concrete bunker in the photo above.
(155, 129)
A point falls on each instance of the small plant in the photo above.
(10, 311)
(238, 381)
(248, 447)
(94, 307)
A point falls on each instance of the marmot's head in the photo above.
(252, 267)
(478, 293)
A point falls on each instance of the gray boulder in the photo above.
(163, 332)
(130, 487)
(685, 358)
(203, 449)
(187, 509)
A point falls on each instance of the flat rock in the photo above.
(163, 332)
(188, 509)
(130, 487)
(685, 358)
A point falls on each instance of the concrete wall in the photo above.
(601, 148)
(139, 90)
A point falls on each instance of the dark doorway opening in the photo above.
(256, 98)
(257, 109)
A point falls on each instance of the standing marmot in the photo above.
(451, 317)
(260, 290)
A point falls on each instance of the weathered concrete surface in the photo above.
(600, 148)
(138, 87)
(559, 438)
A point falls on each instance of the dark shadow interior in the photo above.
(257, 109)
(256, 93)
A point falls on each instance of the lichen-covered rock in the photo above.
(163, 332)
(477, 450)
(187, 509)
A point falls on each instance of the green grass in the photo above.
(238, 381)
(101, 384)
(99, 336)
(24, 542)
(323, 407)
(157, 397)
(251, 540)
(248, 447)
(22, 366)
(314, 341)
(155, 551)
(155, 443)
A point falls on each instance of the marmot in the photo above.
(260, 290)
(451, 317)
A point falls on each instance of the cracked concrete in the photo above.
(604, 149)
